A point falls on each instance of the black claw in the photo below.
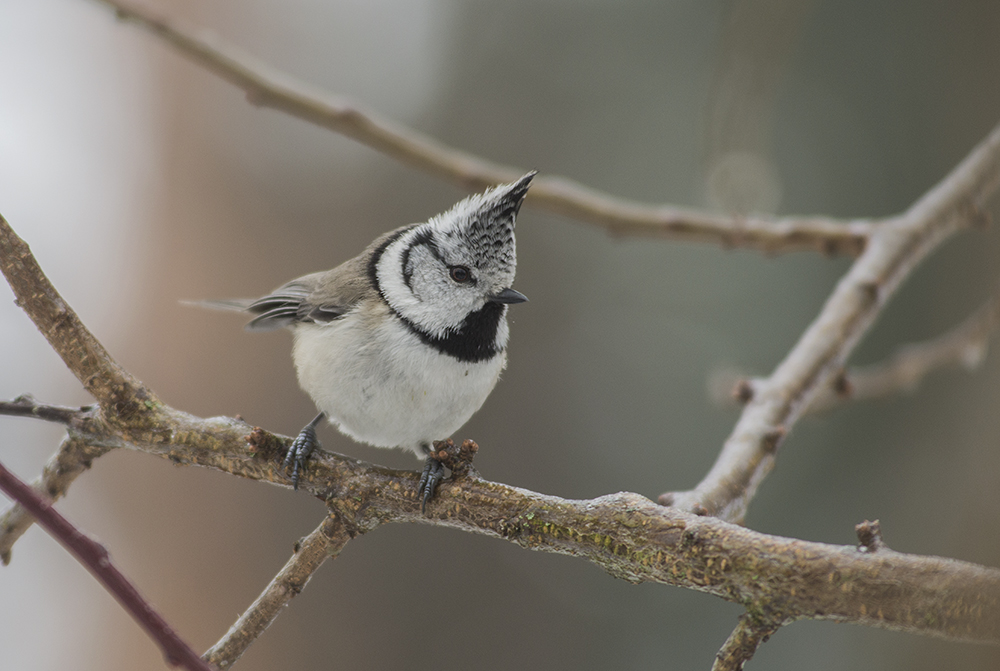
(300, 449)
(429, 480)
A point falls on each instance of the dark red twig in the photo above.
(95, 557)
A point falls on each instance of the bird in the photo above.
(402, 344)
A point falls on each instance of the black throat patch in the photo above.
(473, 341)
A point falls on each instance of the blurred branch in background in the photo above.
(267, 88)
(96, 559)
(74, 456)
(963, 346)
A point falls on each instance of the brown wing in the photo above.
(317, 298)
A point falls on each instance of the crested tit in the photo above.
(400, 345)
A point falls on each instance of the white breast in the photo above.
(379, 384)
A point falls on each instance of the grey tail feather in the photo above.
(269, 321)
(231, 304)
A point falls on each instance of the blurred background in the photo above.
(139, 180)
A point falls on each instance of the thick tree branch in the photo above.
(95, 557)
(820, 354)
(326, 541)
(626, 534)
(267, 88)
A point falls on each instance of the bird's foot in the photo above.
(445, 454)
(300, 449)
(429, 480)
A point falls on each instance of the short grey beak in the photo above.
(508, 296)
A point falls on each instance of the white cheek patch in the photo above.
(421, 292)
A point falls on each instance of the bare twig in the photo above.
(267, 88)
(26, 406)
(326, 541)
(632, 538)
(95, 557)
(113, 387)
(743, 643)
(122, 396)
(965, 345)
(869, 536)
(819, 356)
(100, 375)
(73, 458)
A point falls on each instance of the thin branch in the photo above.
(25, 405)
(965, 345)
(110, 384)
(267, 88)
(741, 645)
(73, 458)
(95, 557)
(326, 541)
(817, 359)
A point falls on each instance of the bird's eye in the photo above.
(460, 274)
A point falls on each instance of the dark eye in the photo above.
(460, 274)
